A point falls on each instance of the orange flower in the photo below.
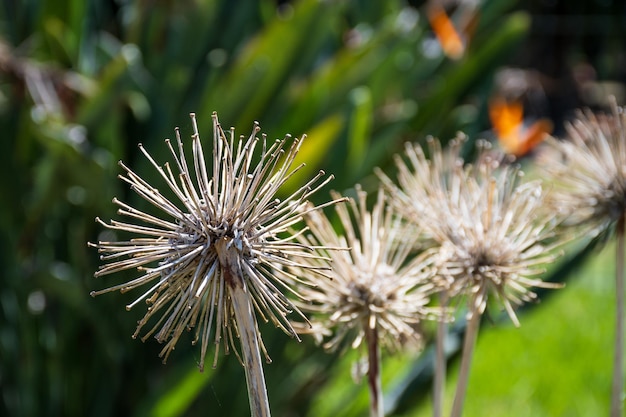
(507, 119)
(449, 38)
(453, 38)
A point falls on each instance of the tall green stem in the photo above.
(471, 331)
(617, 388)
(373, 372)
(439, 379)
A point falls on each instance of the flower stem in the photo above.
(373, 373)
(257, 392)
(439, 379)
(617, 388)
(471, 331)
(247, 329)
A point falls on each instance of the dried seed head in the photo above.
(376, 280)
(493, 234)
(223, 218)
(588, 170)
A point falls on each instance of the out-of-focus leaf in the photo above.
(360, 128)
(314, 150)
(178, 399)
(263, 66)
(115, 79)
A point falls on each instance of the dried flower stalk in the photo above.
(493, 234)
(215, 256)
(589, 173)
(379, 291)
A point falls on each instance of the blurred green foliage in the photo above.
(83, 82)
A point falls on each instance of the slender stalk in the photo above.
(255, 378)
(439, 379)
(248, 332)
(373, 373)
(471, 331)
(617, 388)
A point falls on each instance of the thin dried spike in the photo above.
(155, 198)
(199, 164)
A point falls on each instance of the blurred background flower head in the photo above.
(588, 170)
(378, 280)
(493, 233)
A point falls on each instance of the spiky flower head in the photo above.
(223, 228)
(492, 231)
(377, 283)
(588, 170)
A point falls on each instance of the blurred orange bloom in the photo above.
(449, 38)
(515, 138)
